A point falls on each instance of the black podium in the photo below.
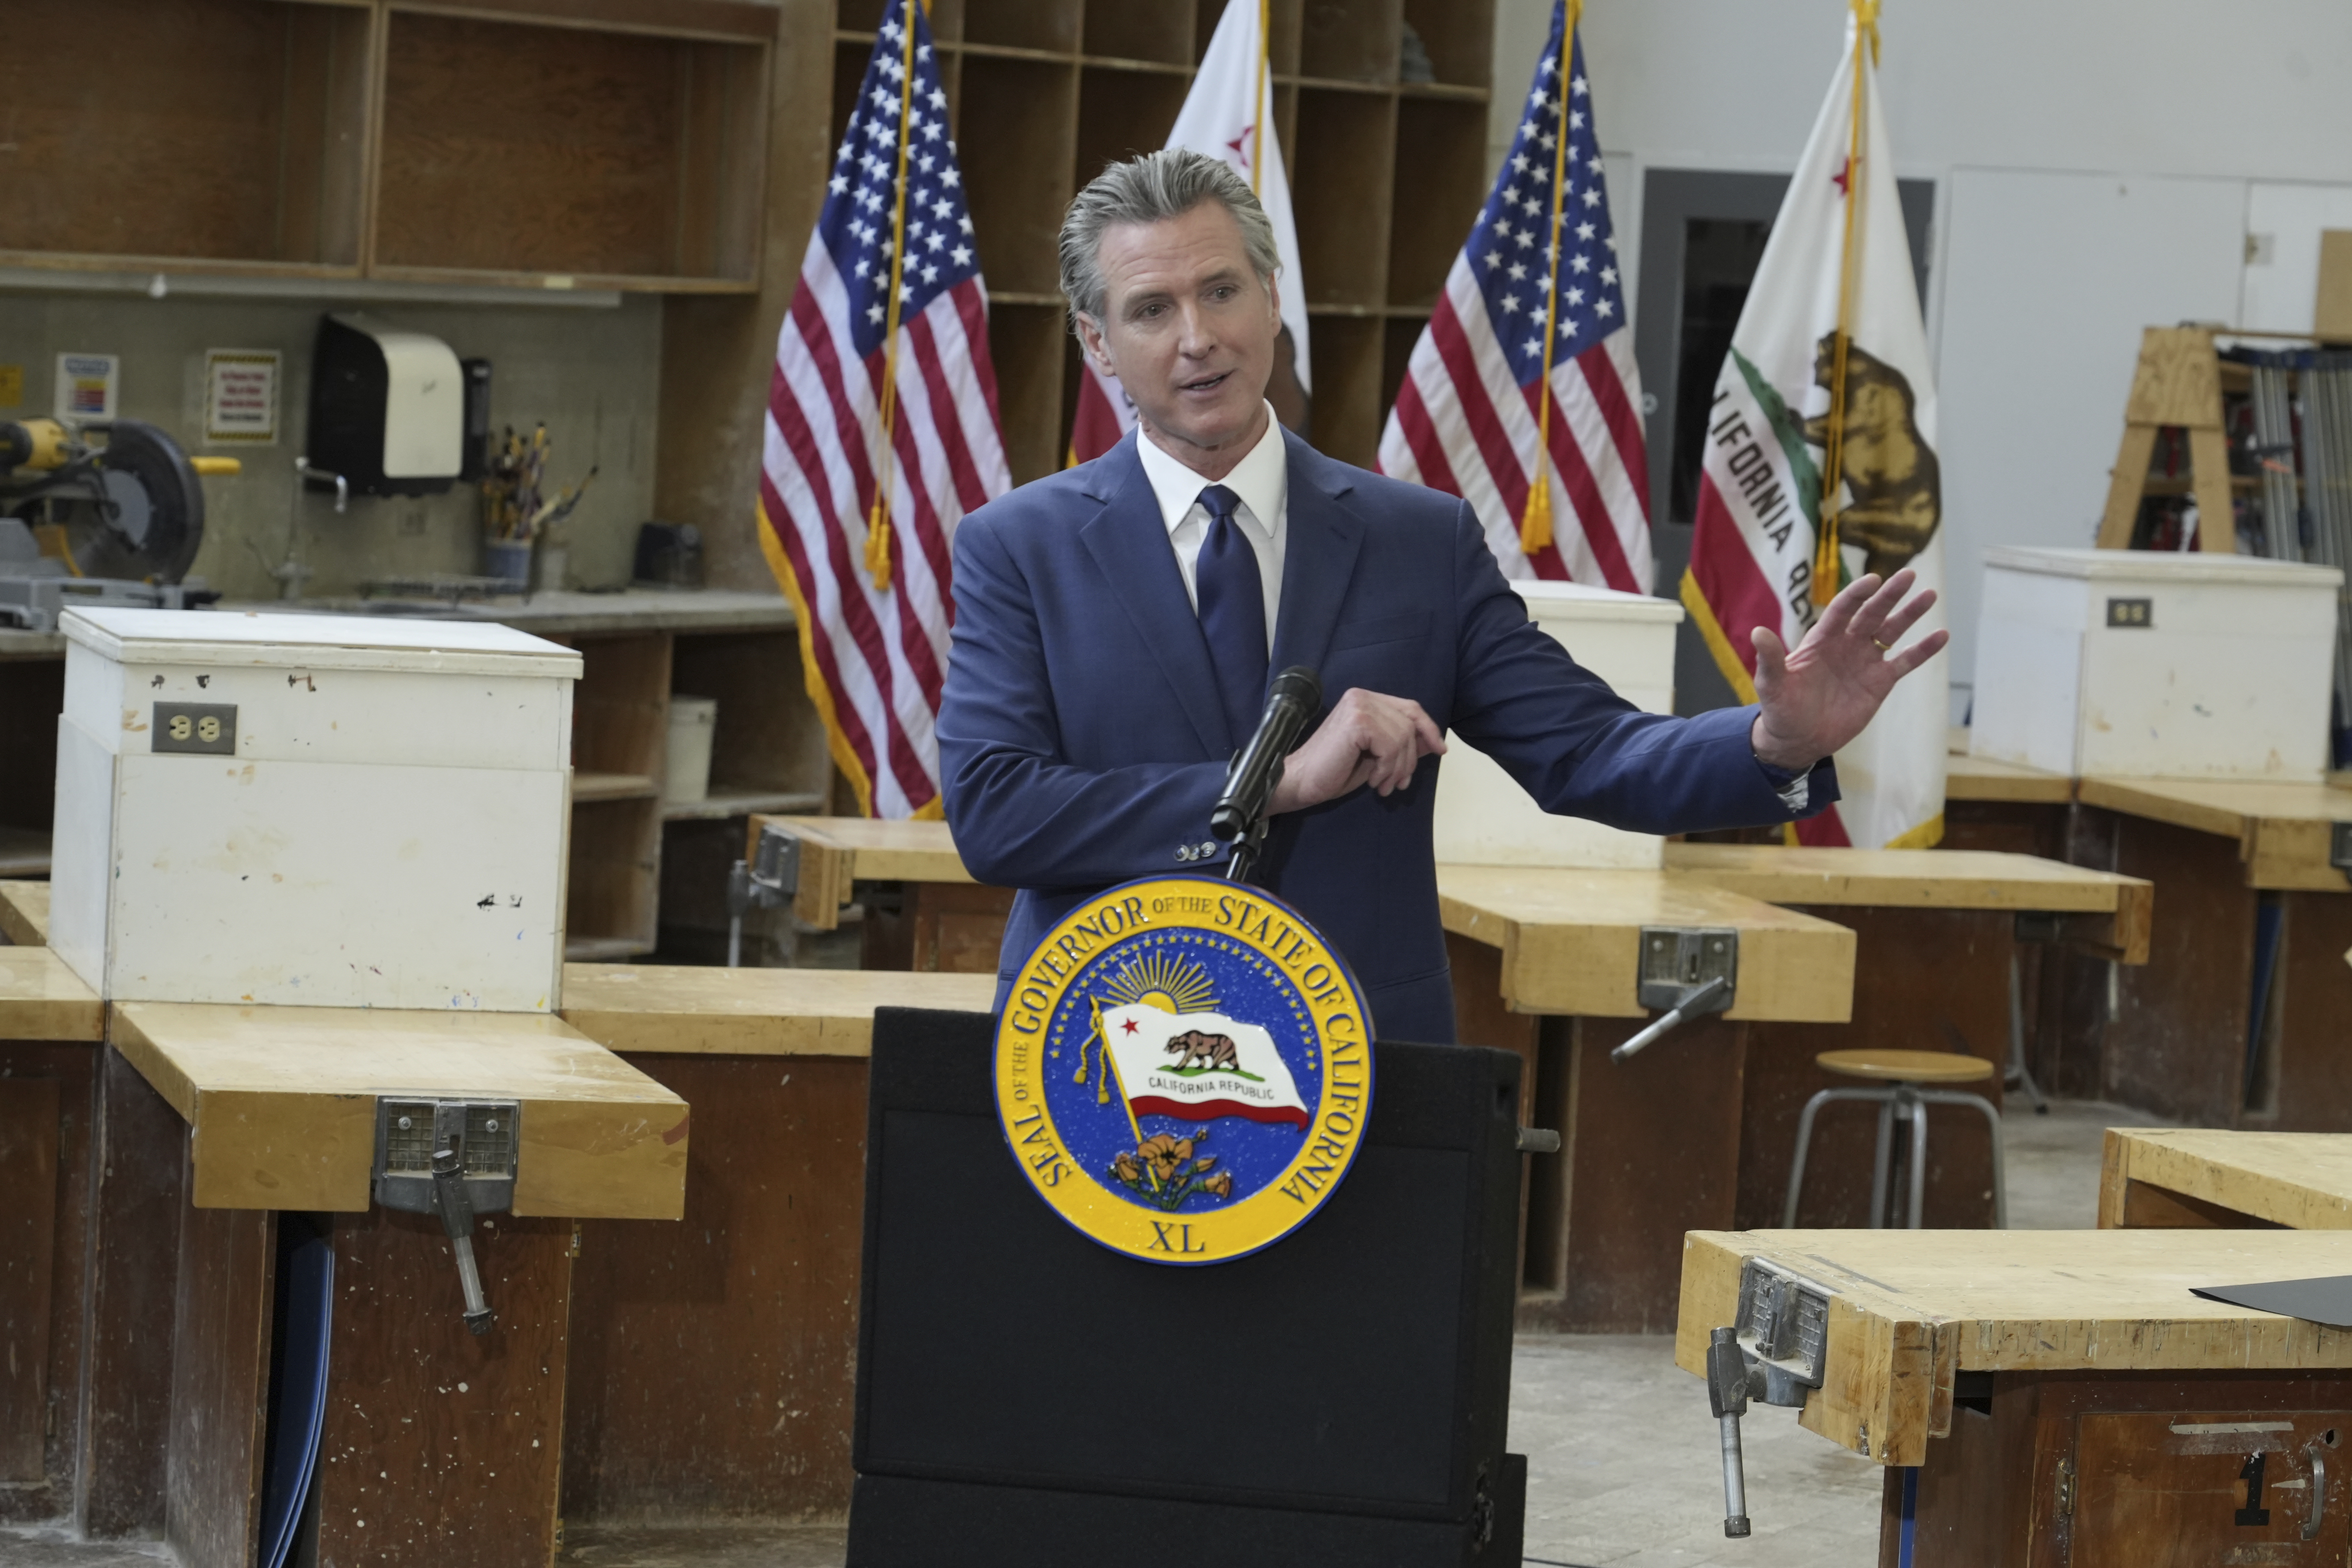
(1025, 1397)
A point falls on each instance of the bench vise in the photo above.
(1773, 1354)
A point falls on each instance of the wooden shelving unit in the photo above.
(607, 144)
(768, 754)
(1387, 176)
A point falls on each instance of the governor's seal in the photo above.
(1183, 1069)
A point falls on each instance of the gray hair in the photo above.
(1156, 186)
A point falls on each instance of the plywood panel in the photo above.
(1570, 939)
(282, 1103)
(1345, 352)
(442, 1446)
(711, 1366)
(136, 1205)
(768, 735)
(220, 1385)
(1441, 156)
(43, 1397)
(2177, 1043)
(28, 1221)
(684, 1011)
(1019, 188)
(1628, 1208)
(1458, 36)
(189, 106)
(1341, 161)
(1036, 369)
(1049, 25)
(1351, 40)
(41, 999)
(1162, 32)
(2300, 1180)
(508, 147)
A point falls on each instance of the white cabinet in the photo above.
(327, 811)
(1483, 817)
(2135, 663)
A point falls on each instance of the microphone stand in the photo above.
(1246, 849)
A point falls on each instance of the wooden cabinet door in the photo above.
(2195, 1489)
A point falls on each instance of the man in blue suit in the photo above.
(1116, 624)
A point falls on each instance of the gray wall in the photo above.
(590, 372)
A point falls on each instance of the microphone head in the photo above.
(1300, 684)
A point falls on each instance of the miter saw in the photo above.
(115, 521)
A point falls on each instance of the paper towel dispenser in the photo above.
(388, 407)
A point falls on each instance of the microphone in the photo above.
(1292, 703)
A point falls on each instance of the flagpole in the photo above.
(1260, 107)
(1110, 1070)
(877, 521)
(1535, 522)
(1828, 565)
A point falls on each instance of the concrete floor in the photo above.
(1623, 1468)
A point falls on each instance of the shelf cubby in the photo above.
(615, 155)
(226, 132)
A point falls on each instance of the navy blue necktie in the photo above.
(1233, 611)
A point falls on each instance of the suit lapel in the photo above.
(1319, 558)
(1129, 541)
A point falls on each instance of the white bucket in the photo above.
(692, 722)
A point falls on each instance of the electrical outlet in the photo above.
(207, 728)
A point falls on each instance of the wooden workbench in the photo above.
(24, 913)
(2063, 1397)
(922, 910)
(1545, 965)
(1935, 931)
(218, 1120)
(2231, 857)
(712, 1362)
(2198, 1177)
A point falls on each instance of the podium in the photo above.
(1027, 1396)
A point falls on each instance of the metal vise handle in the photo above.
(1689, 1007)
(457, 1220)
(1727, 1394)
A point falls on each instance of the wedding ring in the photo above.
(1882, 647)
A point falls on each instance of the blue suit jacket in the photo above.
(1082, 742)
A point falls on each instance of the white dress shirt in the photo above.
(1261, 480)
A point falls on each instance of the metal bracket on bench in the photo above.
(769, 881)
(1773, 1354)
(1686, 970)
(454, 1158)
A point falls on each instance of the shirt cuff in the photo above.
(1794, 789)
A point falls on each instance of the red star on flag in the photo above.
(1840, 179)
(1131, 1025)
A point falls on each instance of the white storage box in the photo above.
(1483, 817)
(323, 810)
(2134, 663)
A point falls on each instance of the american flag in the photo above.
(1466, 418)
(875, 604)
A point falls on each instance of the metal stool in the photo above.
(1903, 1074)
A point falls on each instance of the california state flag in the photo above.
(1777, 431)
(1231, 101)
(1200, 1066)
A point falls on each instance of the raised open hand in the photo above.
(1819, 696)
